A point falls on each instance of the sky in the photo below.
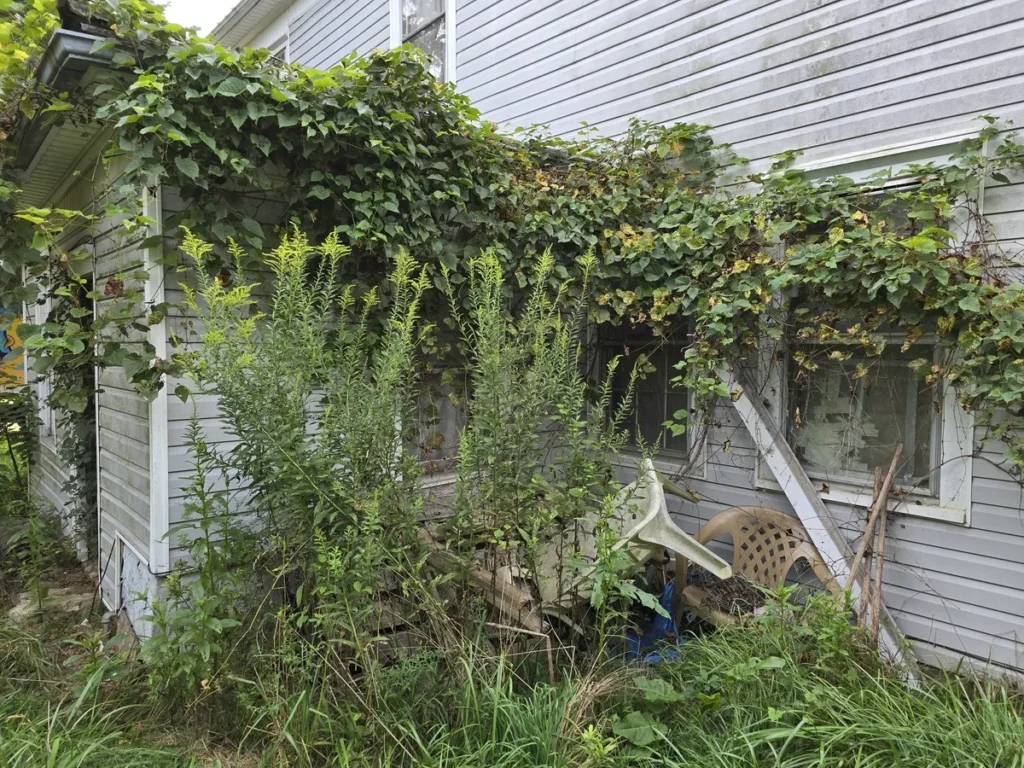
(198, 13)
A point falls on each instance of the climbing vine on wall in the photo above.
(378, 152)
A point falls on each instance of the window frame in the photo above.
(666, 461)
(43, 385)
(954, 433)
(448, 14)
(280, 48)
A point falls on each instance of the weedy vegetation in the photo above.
(309, 623)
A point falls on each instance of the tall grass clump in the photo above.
(797, 689)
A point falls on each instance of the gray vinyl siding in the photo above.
(332, 29)
(47, 473)
(953, 590)
(183, 327)
(122, 414)
(832, 78)
(828, 76)
(47, 476)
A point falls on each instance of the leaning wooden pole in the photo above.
(879, 558)
(817, 519)
(880, 500)
(864, 551)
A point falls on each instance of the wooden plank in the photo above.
(816, 517)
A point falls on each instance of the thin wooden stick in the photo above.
(865, 552)
(881, 500)
(547, 641)
(876, 595)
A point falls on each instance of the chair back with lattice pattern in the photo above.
(767, 543)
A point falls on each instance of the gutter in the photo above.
(68, 57)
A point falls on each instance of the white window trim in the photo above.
(44, 387)
(395, 35)
(281, 48)
(955, 462)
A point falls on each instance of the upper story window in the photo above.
(429, 25)
(279, 49)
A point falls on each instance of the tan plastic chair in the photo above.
(766, 543)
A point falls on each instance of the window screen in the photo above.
(655, 399)
(846, 417)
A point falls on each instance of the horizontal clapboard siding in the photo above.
(330, 30)
(122, 421)
(184, 330)
(122, 414)
(827, 76)
(832, 78)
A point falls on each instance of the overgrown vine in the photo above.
(379, 153)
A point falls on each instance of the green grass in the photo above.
(794, 691)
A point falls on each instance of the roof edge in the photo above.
(226, 31)
(67, 58)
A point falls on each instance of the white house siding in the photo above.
(836, 79)
(828, 76)
(183, 329)
(331, 29)
(47, 474)
(122, 414)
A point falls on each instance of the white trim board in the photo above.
(159, 559)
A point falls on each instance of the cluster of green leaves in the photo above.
(24, 27)
(376, 152)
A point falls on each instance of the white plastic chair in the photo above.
(641, 518)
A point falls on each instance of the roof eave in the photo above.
(68, 57)
(228, 31)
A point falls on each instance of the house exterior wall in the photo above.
(182, 333)
(851, 83)
(122, 414)
(848, 83)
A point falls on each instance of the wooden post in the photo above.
(876, 595)
(880, 500)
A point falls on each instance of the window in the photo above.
(845, 418)
(427, 24)
(279, 50)
(655, 399)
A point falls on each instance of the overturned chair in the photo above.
(766, 545)
(640, 518)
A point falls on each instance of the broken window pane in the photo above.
(846, 417)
